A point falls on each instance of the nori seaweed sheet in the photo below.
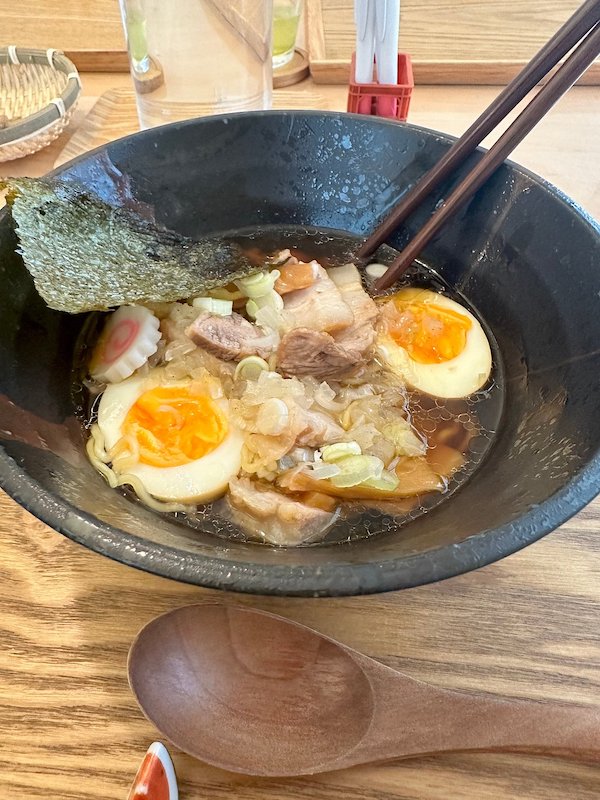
(86, 255)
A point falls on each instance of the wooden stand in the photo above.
(146, 82)
(294, 71)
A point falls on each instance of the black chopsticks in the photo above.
(582, 27)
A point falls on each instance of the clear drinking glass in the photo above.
(286, 16)
(191, 58)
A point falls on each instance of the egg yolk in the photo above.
(429, 333)
(173, 426)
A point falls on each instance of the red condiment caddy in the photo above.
(383, 99)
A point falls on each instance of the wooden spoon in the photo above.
(252, 692)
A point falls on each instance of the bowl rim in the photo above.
(340, 578)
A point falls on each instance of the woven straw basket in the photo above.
(38, 94)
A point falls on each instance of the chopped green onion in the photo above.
(270, 300)
(357, 469)
(333, 452)
(387, 482)
(222, 308)
(402, 435)
(273, 417)
(259, 284)
(250, 368)
(321, 472)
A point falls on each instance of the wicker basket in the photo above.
(38, 94)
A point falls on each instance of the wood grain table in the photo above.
(528, 626)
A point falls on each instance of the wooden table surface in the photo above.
(527, 626)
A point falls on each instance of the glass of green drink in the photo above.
(286, 15)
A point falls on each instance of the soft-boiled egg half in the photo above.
(185, 448)
(433, 343)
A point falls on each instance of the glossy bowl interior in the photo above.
(523, 254)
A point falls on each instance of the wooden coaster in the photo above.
(146, 82)
(293, 72)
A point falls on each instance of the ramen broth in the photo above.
(466, 425)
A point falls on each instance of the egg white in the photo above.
(197, 481)
(457, 377)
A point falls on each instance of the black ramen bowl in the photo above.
(523, 254)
